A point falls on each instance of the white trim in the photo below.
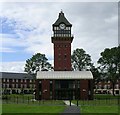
(64, 75)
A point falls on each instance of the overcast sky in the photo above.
(27, 29)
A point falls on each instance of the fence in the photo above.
(25, 99)
(29, 99)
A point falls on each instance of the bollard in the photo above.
(70, 102)
(77, 102)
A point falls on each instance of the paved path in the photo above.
(71, 110)
(68, 102)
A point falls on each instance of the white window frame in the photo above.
(7, 80)
(16, 85)
(108, 86)
(4, 79)
(117, 86)
(3, 85)
(51, 81)
(105, 86)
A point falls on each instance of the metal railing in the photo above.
(30, 99)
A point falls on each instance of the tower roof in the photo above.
(62, 19)
(64, 75)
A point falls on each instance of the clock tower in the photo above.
(62, 39)
(62, 83)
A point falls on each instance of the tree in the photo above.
(38, 62)
(110, 64)
(80, 60)
(96, 74)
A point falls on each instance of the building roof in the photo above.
(64, 75)
(10, 75)
(62, 19)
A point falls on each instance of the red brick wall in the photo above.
(62, 56)
(83, 89)
(37, 90)
(45, 89)
(53, 90)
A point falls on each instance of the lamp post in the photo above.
(117, 74)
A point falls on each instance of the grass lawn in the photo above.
(19, 96)
(99, 109)
(113, 102)
(106, 96)
(98, 106)
(23, 104)
(24, 108)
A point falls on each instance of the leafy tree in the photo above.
(110, 64)
(80, 60)
(38, 62)
(96, 74)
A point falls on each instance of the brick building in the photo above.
(105, 87)
(17, 83)
(63, 83)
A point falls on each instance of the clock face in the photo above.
(62, 26)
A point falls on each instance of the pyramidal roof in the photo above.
(62, 19)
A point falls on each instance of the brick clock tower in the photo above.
(62, 40)
(59, 84)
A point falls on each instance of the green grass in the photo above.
(99, 109)
(98, 105)
(23, 108)
(106, 96)
(97, 102)
(20, 96)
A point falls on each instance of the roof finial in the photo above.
(61, 11)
